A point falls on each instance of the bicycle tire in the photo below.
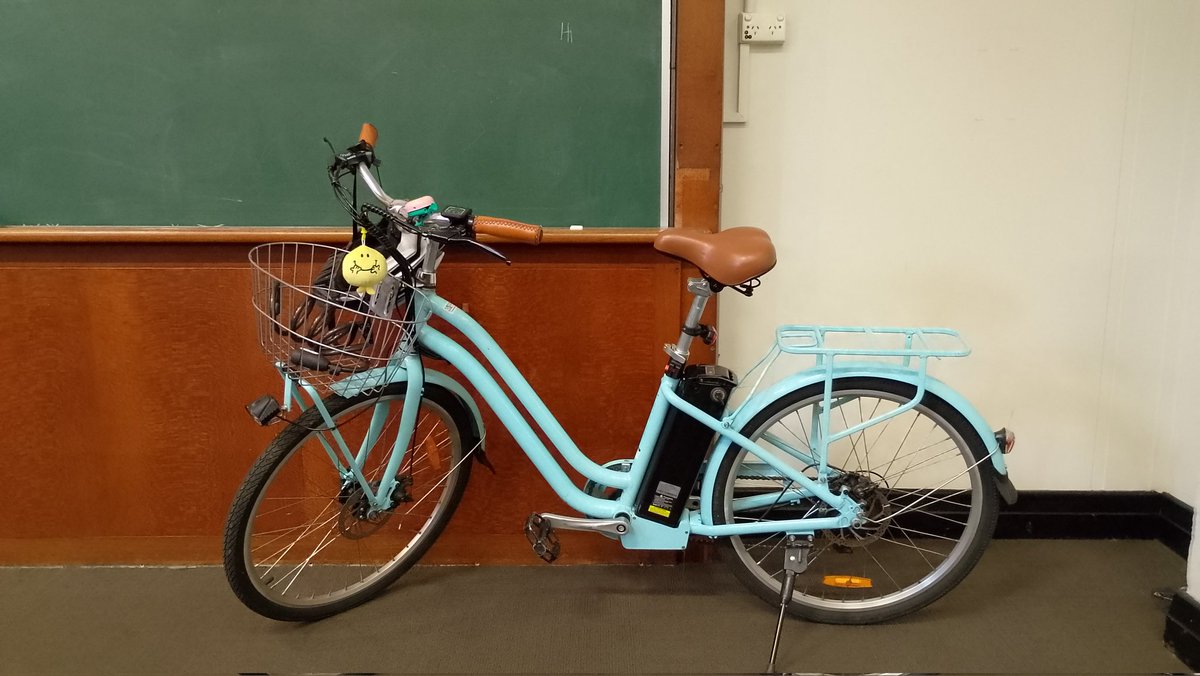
(829, 601)
(274, 467)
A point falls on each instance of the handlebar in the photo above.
(500, 228)
(369, 134)
(513, 231)
(369, 180)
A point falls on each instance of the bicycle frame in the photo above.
(642, 533)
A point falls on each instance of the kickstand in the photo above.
(795, 560)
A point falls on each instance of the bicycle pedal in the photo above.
(264, 410)
(542, 538)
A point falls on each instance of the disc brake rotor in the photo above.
(876, 511)
(357, 519)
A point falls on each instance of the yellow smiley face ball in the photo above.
(364, 268)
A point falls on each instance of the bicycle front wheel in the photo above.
(302, 541)
(922, 476)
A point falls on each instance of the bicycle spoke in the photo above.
(286, 550)
(903, 441)
(921, 553)
(853, 446)
(280, 509)
(282, 531)
(912, 506)
(871, 554)
(921, 533)
(762, 542)
(466, 456)
(945, 499)
(807, 437)
(772, 550)
(325, 542)
(926, 493)
(309, 527)
(949, 453)
(943, 517)
(862, 434)
(874, 412)
(912, 546)
(384, 434)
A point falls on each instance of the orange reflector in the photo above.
(431, 452)
(848, 581)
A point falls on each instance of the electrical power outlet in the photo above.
(760, 28)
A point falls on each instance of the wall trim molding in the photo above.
(1182, 634)
(1121, 515)
(336, 235)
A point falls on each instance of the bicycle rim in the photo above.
(311, 539)
(923, 493)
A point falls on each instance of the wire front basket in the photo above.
(315, 326)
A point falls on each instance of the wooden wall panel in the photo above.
(698, 100)
(130, 421)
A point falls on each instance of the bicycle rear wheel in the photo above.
(301, 543)
(923, 478)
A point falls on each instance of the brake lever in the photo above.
(354, 156)
(487, 249)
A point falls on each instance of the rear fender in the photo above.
(757, 403)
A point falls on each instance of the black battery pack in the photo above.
(683, 444)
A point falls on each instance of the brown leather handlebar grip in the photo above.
(369, 134)
(514, 231)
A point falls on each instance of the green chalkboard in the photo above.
(186, 112)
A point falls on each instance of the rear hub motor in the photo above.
(871, 493)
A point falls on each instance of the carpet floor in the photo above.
(1030, 607)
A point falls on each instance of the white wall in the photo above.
(1024, 171)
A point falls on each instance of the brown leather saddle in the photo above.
(731, 257)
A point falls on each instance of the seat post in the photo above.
(679, 352)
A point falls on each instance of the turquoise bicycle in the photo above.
(853, 490)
